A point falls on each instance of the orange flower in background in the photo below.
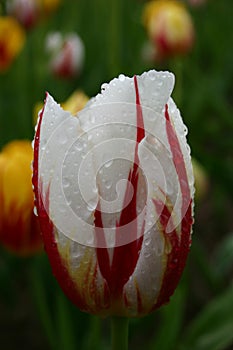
(19, 227)
(169, 26)
(12, 38)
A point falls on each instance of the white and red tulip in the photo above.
(26, 11)
(66, 54)
(114, 193)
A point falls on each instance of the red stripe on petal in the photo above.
(179, 163)
(176, 259)
(125, 256)
(47, 229)
(140, 123)
(58, 265)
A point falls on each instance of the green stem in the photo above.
(40, 298)
(93, 341)
(119, 330)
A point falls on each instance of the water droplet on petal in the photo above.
(91, 205)
(79, 146)
(108, 164)
(108, 184)
(121, 77)
(35, 211)
(63, 139)
(152, 75)
(66, 182)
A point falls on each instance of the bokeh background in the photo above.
(34, 313)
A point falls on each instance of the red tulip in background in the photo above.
(114, 193)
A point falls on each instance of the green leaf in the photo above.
(39, 293)
(224, 256)
(213, 327)
(64, 323)
(171, 322)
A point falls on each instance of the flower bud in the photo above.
(169, 26)
(19, 226)
(114, 193)
(66, 54)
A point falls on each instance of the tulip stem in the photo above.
(119, 330)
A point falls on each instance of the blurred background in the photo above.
(69, 48)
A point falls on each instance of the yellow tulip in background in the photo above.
(12, 38)
(169, 26)
(19, 228)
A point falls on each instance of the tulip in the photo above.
(114, 194)
(75, 102)
(29, 12)
(25, 11)
(12, 38)
(66, 54)
(169, 26)
(19, 227)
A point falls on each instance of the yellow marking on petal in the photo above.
(84, 276)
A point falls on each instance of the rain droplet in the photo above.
(147, 255)
(104, 86)
(109, 163)
(121, 77)
(79, 146)
(152, 75)
(63, 139)
(108, 184)
(66, 182)
(147, 242)
(91, 205)
(35, 211)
